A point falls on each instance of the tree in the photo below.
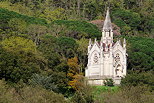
(126, 19)
(82, 52)
(17, 25)
(67, 46)
(139, 79)
(73, 65)
(19, 59)
(48, 46)
(35, 31)
(138, 49)
(73, 73)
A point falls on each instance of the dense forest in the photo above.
(43, 50)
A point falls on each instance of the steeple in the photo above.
(107, 23)
(107, 32)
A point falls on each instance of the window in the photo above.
(95, 58)
(117, 58)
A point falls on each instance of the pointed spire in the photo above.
(107, 23)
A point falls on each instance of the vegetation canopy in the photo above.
(43, 50)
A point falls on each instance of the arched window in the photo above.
(117, 58)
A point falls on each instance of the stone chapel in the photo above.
(106, 59)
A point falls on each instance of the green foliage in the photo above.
(100, 89)
(67, 46)
(8, 15)
(43, 81)
(19, 59)
(127, 94)
(84, 95)
(53, 14)
(109, 82)
(126, 20)
(61, 81)
(49, 48)
(140, 48)
(139, 79)
(82, 52)
(16, 24)
(82, 27)
(35, 31)
(18, 45)
(28, 94)
(54, 81)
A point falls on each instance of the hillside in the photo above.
(43, 49)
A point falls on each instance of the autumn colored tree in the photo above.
(74, 73)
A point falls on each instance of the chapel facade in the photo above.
(106, 59)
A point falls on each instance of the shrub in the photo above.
(128, 94)
(84, 94)
(136, 79)
(28, 94)
(109, 82)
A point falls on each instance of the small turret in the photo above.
(90, 45)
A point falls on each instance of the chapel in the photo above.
(106, 59)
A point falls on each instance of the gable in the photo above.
(95, 47)
(118, 46)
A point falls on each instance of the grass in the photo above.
(99, 89)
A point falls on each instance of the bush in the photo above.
(136, 79)
(109, 82)
(56, 81)
(28, 94)
(83, 95)
(129, 94)
(43, 81)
